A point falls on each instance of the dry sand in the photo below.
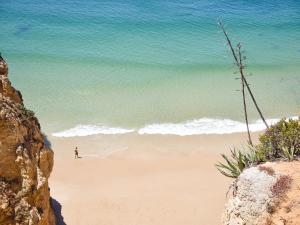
(140, 179)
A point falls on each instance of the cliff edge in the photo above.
(268, 194)
(25, 161)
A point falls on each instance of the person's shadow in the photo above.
(57, 211)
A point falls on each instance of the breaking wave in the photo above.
(204, 126)
(86, 130)
(191, 127)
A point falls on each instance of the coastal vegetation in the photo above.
(26, 112)
(265, 194)
(239, 61)
(280, 142)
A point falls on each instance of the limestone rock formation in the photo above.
(268, 194)
(25, 161)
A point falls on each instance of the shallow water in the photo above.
(130, 64)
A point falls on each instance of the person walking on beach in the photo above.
(76, 153)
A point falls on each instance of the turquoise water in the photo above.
(132, 63)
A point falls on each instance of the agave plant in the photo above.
(289, 153)
(236, 164)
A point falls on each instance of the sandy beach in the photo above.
(140, 179)
(151, 93)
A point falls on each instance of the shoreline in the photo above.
(203, 126)
(128, 143)
(141, 179)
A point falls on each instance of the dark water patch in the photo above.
(22, 29)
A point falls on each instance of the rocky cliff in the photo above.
(25, 161)
(268, 194)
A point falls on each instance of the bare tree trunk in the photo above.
(242, 75)
(244, 96)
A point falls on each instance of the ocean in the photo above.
(152, 67)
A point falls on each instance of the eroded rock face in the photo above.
(25, 161)
(266, 195)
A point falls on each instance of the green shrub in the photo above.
(26, 112)
(280, 141)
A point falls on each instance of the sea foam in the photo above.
(191, 127)
(86, 130)
(204, 126)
